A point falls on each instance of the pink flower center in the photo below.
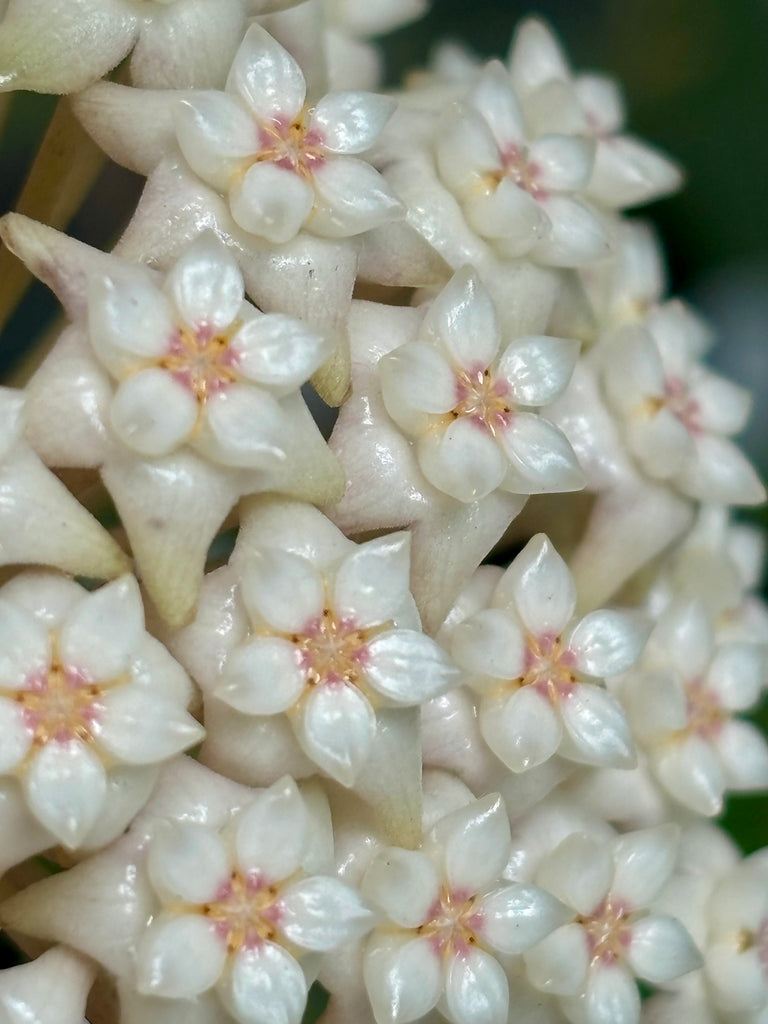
(201, 360)
(548, 666)
(334, 650)
(452, 924)
(294, 145)
(678, 401)
(59, 704)
(705, 712)
(245, 911)
(483, 399)
(608, 930)
(524, 173)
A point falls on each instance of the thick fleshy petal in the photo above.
(518, 916)
(661, 949)
(284, 589)
(267, 77)
(278, 352)
(179, 957)
(495, 98)
(350, 197)
(403, 977)
(463, 461)
(321, 914)
(408, 667)
(522, 730)
(691, 771)
(476, 989)
(153, 413)
(475, 843)
(187, 862)
(405, 883)
(490, 643)
(628, 172)
(206, 285)
(15, 735)
(463, 320)
(466, 152)
(271, 201)
(577, 236)
(539, 586)
(579, 872)
(104, 632)
(735, 675)
(540, 455)
(244, 426)
(559, 964)
(139, 727)
(24, 646)
(722, 407)
(216, 134)
(721, 474)
(563, 162)
(336, 730)
(265, 986)
(350, 122)
(597, 727)
(644, 861)
(744, 755)
(416, 378)
(65, 786)
(537, 369)
(129, 318)
(372, 582)
(509, 215)
(262, 677)
(535, 57)
(273, 832)
(607, 642)
(611, 996)
(683, 637)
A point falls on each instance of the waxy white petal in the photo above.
(475, 843)
(628, 172)
(661, 949)
(265, 986)
(129, 318)
(463, 320)
(267, 77)
(321, 914)
(137, 726)
(611, 996)
(284, 589)
(273, 832)
(403, 977)
(736, 976)
(563, 162)
(683, 636)
(518, 916)
(103, 633)
(720, 473)
(262, 677)
(537, 369)
(271, 201)
(722, 407)
(416, 378)
(559, 964)
(535, 57)
(372, 582)
(65, 786)
(597, 727)
(490, 643)
(216, 134)
(577, 237)
(244, 426)
(644, 861)
(350, 197)
(336, 730)
(540, 455)
(466, 152)
(539, 586)
(279, 352)
(206, 285)
(608, 642)
(476, 989)
(523, 730)
(463, 461)
(744, 755)
(405, 883)
(408, 667)
(179, 957)
(735, 675)
(579, 872)
(15, 735)
(24, 646)
(495, 98)
(153, 413)
(509, 215)
(187, 862)
(350, 122)
(692, 772)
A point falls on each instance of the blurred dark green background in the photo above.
(695, 76)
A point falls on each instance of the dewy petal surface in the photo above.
(523, 730)
(516, 917)
(490, 643)
(539, 585)
(271, 201)
(284, 589)
(464, 461)
(104, 631)
(24, 645)
(336, 729)
(279, 352)
(476, 989)
(350, 122)
(463, 319)
(273, 832)
(65, 786)
(206, 285)
(475, 843)
(265, 986)
(559, 963)
(372, 582)
(607, 642)
(139, 727)
(351, 197)
(644, 861)
(403, 978)
(216, 134)
(540, 454)
(538, 368)
(408, 667)
(321, 914)
(180, 957)
(187, 862)
(661, 949)
(404, 882)
(267, 77)
(153, 413)
(128, 317)
(262, 677)
(597, 727)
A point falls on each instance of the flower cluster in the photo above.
(289, 749)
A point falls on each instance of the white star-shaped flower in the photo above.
(284, 164)
(517, 189)
(238, 912)
(450, 916)
(681, 702)
(467, 400)
(84, 692)
(626, 170)
(614, 936)
(537, 668)
(676, 415)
